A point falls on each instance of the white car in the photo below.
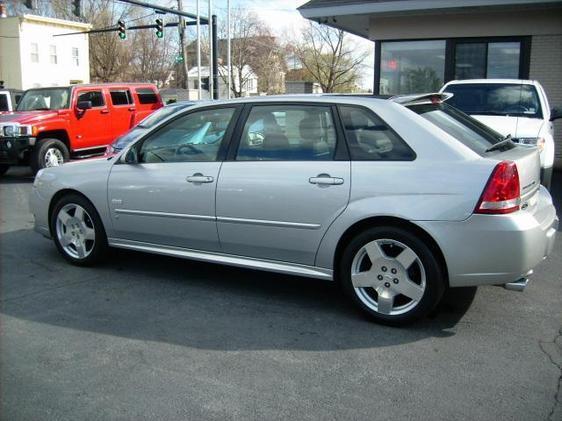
(511, 107)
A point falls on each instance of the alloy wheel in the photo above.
(53, 158)
(75, 231)
(388, 277)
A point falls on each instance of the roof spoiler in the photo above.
(431, 98)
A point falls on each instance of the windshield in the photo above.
(469, 131)
(495, 99)
(45, 99)
(162, 113)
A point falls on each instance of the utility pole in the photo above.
(198, 52)
(211, 46)
(183, 53)
(228, 61)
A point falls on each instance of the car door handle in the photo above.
(104, 112)
(325, 179)
(200, 178)
(132, 109)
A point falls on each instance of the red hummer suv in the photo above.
(50, 125)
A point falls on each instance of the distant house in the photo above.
(31, 57)
(249, 82)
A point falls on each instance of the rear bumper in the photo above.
(496, 249)
(12, 148)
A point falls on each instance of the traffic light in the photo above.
(76, 8)
(122, 29)
(205, 83)
(159, 28)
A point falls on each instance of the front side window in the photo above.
(34, 52)
(4, 102)
(193, 137)
(44, 99)
(147, 96)
(53, 54)
(96, 97)
(288, 133)
(495, 99)
(120, 97)
(410, 67)
(370, 138)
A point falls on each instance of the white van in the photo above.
(511, 107)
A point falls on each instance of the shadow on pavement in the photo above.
(155, 298)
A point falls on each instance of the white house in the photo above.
(31, 57)
(250, 84)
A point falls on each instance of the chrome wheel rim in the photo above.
(75, 231)
(388, 277)
(53, 157)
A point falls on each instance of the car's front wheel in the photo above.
(391, 275)
(78, 231)
(48, 153)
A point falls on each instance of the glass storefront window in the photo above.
(470, 61)
(409, 67)
(503, 60)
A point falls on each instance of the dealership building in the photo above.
(421, 44)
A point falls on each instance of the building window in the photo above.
(53, 54)
(34, 52)
(477, 60)
(75, 56)
(409, 67)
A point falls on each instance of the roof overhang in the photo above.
(355, 16)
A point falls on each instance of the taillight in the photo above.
(502, 193)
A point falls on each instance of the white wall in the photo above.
(24, 73)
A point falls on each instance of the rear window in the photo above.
(467, 130)
(147, 96)
(121, 97)
(496, 99)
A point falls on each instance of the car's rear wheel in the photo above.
(78, 231)
(391, 275)
(3, 169)
(48, 153)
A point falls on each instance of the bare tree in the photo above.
(253, 47)
(328, 58)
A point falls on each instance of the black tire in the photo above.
(40, 149)
(434, 275)
(3, 169)
(100, 246)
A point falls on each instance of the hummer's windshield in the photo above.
(45, 99)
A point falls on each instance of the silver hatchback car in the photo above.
(396, 200)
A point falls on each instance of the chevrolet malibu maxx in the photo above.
(397, 200)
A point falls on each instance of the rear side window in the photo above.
(371, 139)
(121, 97)
(467, 130)
(147, 96)
(288, 133)
(96, 97)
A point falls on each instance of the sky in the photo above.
(283, 18)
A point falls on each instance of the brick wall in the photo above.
(546, 67)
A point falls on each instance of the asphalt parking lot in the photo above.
(150, 337)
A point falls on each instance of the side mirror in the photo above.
(84, 105)
(131, 157)
(555, 114)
